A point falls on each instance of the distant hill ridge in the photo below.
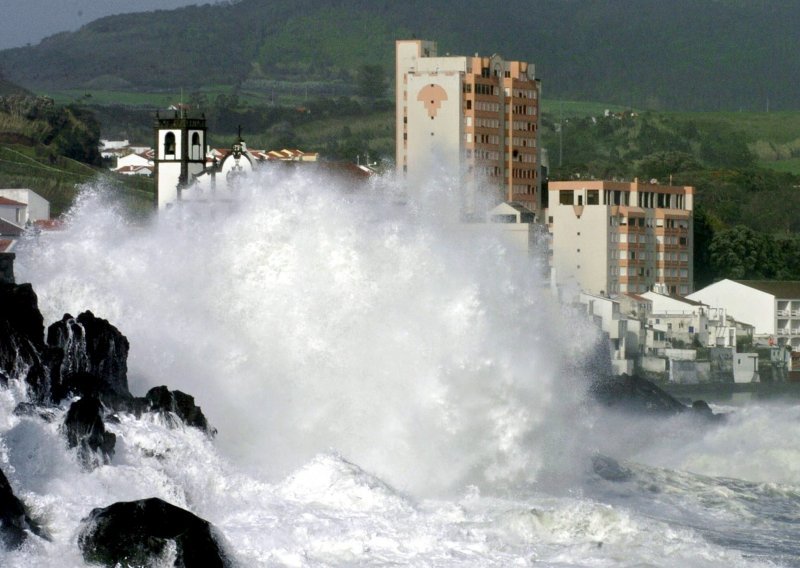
(681, 54)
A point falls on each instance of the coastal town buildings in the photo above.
(136, 163)
(473, 119)
(188, 171)
(613, 237)
(613, 324)
(772, 307)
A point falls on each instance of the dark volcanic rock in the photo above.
(609, 469)
(14, 520)
(701, 407)
(95, 359)
(136, 533)
(177, 403)
(634, 394)
(85, 430)
(22, 346)
(30, 409)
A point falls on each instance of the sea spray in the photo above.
(305, 318)
(357, 355)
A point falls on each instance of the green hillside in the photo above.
(53, 149)
(647, 54)
(58, 179)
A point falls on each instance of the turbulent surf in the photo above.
(389, 387)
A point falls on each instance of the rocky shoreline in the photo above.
(83, 363)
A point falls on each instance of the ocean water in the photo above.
(390, 388)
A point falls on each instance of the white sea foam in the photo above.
(305, 320)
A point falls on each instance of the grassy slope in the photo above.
(773, 136)
(58, 179)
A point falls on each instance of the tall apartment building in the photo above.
(473, 118)
(615, 237)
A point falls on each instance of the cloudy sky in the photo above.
(28, 21)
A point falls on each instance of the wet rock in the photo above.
(137, 533)
(85, 430)
(22, 338)
(95, 359)
(610, 469)
(634, 394)
(15, 524)
(701, 407)
(174, 403)
(703, 410)
(34, 410)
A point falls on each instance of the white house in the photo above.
(21, 206)
(772, 307)
(135, 160)
(112, 148)
(135, 170)
(680, 318)
(12, 211)
(516, 224)
(607, 316)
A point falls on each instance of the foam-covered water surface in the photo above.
(390, 387)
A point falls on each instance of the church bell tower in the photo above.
(180, 142)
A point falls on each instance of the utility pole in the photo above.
(560, 133)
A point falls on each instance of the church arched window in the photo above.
(196, 146)
(169, 144)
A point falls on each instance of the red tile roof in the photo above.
(49, 224)
(125, 169)
(6, 244)
(7, 201)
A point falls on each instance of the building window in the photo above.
(566, 197)
(593, 197)
(169, 144)
(196, 154)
